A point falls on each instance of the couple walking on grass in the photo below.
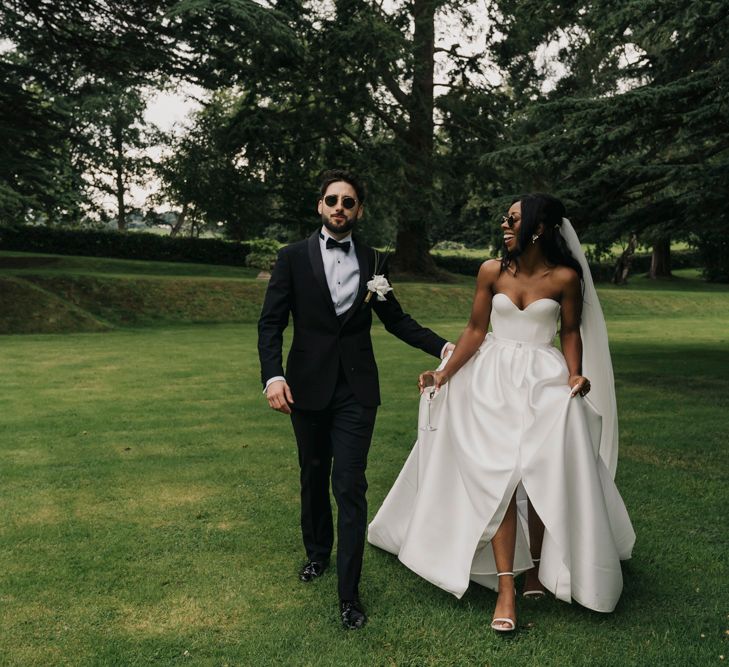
(512, 471)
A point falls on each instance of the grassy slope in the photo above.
(149, 501)
(64, 293)
(49, 294)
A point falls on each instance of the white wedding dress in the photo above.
(504, 422)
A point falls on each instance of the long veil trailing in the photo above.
(596, 362)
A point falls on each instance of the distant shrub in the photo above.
(262, 254)
(680, 259)
(263, 246)
(715, 258)
(449, 245)
(603, 272)
(124, 245)
(467, 266)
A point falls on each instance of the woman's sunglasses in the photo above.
(509, 221)
(347, 201)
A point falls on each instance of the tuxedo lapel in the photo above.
(317, 266)
(365, 273)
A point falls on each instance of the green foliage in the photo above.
(111, 144)
(714, 251)
(601, 271)
(37, 179)
(70, 108)
(472, 126)
(70, 42)
(619, 109)
(279, 74)
(136, 245)
(634, 136)
(262, 254)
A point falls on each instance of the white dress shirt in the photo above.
(342, 272)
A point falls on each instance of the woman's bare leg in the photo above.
(503, 544)
(536, 536)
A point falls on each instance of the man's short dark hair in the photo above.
(335, 175)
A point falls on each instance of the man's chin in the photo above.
(342, 228)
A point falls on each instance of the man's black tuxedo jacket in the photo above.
(322, 341)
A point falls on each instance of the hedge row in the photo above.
(140, 245)
(681, 259)
(129, 245)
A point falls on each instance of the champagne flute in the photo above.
(430, 391)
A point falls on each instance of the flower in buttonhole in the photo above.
(379, 286)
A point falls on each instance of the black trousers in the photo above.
(334, 442)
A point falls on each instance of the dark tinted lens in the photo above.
(347, 202)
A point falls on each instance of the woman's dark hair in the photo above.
(536, 209)
(335, 175)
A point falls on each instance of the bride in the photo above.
(513, 468)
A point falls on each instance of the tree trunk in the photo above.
(121, 217)
(175, 229)
(661, 259)
(412, 245)
(622, 268)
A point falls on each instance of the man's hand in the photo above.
(279, 396)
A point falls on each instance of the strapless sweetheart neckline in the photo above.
(521, 310)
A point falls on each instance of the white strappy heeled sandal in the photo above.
(510, 621)
(536, 593)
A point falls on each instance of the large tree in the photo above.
(112, 144)
(635, 132)
(352, 87)
(70, 70)
(37, 179)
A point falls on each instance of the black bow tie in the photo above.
(344, 245)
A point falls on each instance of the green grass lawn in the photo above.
(150, 502)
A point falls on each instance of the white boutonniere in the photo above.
(378, 285)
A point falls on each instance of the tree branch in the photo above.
(392, 86)
(396, 127)
(353, 137)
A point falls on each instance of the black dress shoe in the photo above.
(312, 569)
(353, 616)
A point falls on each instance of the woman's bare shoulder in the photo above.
(566, 276)
(490, 270)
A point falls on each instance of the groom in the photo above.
(331, 387)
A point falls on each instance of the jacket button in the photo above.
(352, 369)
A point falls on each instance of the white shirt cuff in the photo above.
(442, 351)
(275, 378)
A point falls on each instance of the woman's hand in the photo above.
(434, 379)
(579, 385)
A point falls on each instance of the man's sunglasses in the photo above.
(347, 201)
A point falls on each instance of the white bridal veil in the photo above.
(596, 361)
